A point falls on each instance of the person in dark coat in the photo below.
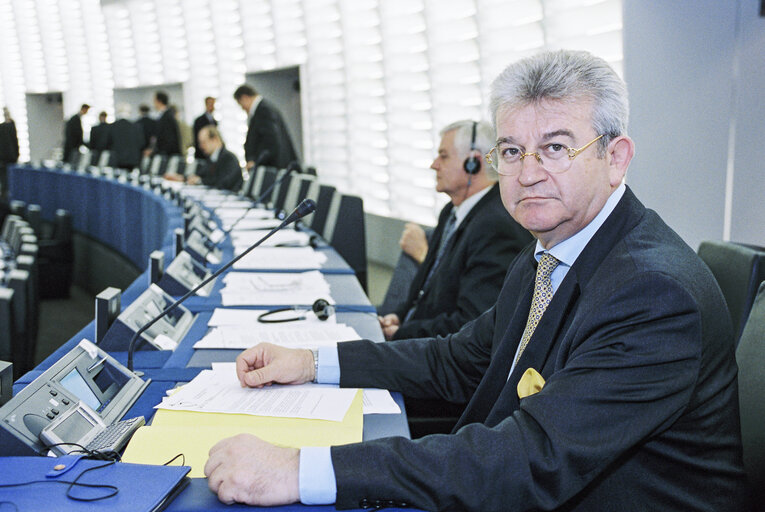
(73, 137)
(9, 149)
(221, 169)
(200, 122)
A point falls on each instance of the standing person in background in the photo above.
(148, 129)
(9, 149)
(206, 119)
(126, 141)
(99, 134)
(73, 134)
(266, 130)
(167, 142)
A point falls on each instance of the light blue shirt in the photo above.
(317, 475)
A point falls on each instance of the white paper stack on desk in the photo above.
(274, 288)
(284, 238)
(279, 258)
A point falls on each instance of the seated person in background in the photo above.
(221, 169)
(472, 245)
(603, 379)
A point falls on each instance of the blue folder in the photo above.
(115, 487)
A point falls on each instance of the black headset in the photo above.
(472, 163)
(321, 308)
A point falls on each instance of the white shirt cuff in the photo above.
(317, 476)
(329, 366)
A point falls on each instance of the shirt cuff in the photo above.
(329, 366)
(316, 476)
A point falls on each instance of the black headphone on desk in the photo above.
(321, 308)
(472, 163)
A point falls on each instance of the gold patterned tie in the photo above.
(543, 293)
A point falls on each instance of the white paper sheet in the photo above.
(239, 317)
(379, 401)
(284, 238)
(219, 390)
(312, 335)
(282, 258)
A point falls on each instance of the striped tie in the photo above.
(543, 293)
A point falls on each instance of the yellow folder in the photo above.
(194, 433)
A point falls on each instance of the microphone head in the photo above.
(305, 207)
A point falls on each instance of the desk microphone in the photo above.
(304, 208)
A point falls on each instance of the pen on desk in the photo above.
(96, 364)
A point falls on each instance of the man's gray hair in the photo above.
(484, 140)
(565, 75)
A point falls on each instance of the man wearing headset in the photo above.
(475, 240)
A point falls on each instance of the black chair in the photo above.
(739, 270)
(34, 217)
(345, 231)
(279, 195)
(398, 287)
(324, 200)
(56, 258)
(750, 356)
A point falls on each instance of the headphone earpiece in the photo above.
(323, 309)
(472, 163)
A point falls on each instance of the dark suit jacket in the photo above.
(99, 137)
(199, 123)
(9, 143)
(149, 129)
(168, 142)
(268, 131)
(72, 136)
(225, 173)
(469, 276)
(126, 144)
(639, 410)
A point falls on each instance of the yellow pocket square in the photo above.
(531, 382)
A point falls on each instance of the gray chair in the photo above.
(750, 356)
(739, 270)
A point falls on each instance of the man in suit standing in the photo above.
(99, 134)
(148, 128)
(604, 377)
(200, 122)
(73, 134)
(9, 149)
(127, 140)
(167, 141)
(266, 131)
(221, 170)
(472, 245)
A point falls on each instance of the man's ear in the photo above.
(619, 153)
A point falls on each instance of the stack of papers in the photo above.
(284, 238)
(274, 288)
(282, 258)
(307, 335)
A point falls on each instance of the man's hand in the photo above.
(245, 469)
(250, 164)
(193, 180)
(266, 364)
(390, 324)
(414, 242)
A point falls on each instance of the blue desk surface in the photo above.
(136, 221)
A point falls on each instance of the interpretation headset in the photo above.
(472, 163)
(321, 308)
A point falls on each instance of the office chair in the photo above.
(738, 270)
(56, 258)
(403, 275)
(345, 230)
(750, 356)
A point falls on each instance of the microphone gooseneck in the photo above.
(304, 208)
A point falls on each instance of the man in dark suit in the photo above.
(148, 128)
(604, 377)
(126, 140)
(9, 149)
(266, 130)
(99, 134)
(73, 134)
(167, 141)
(200, 122)
(221, 170)
(472, 245)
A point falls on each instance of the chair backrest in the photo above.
(191, 168)
(262, 182)
(739, 270)
(62, 230)
(324, 199)
(103, 158)
(34, 217)
(84, 162)
(279, 195)
(297, 191)
(173, 164)
(750, 356)
(348, 235)
(156, 165)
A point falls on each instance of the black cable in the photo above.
(183, 460)
(73, 484)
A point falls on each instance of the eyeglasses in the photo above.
(508, 160)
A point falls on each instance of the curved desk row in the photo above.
(136, 221)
